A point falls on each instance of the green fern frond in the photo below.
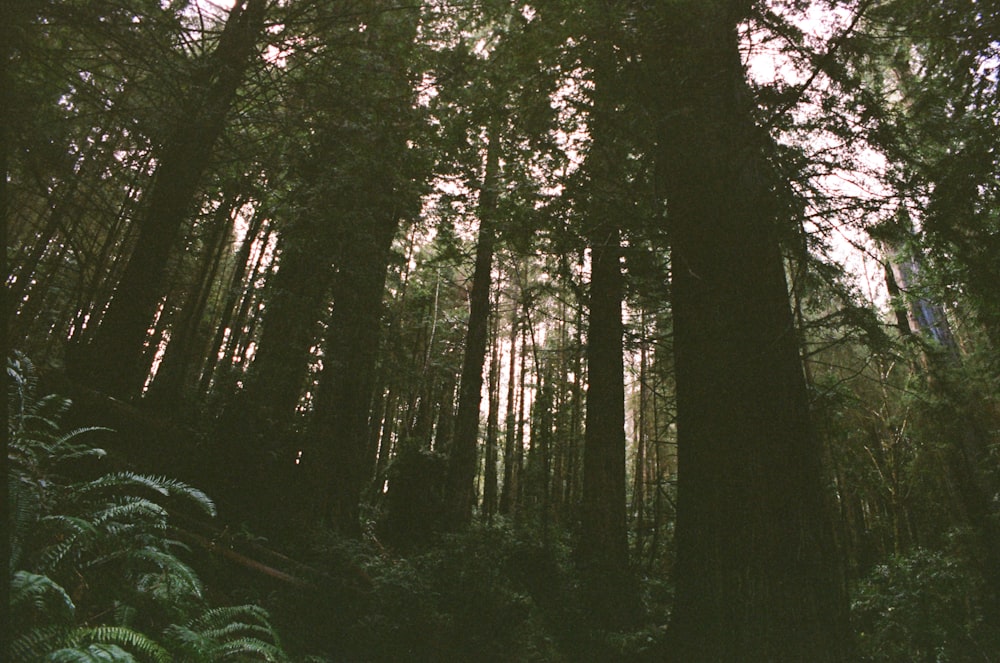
(172, 578)
(219, 617)
(132, 509)
(45, 413)
(23, 512)
(72, 451)
(36, 643)
(123, 637)
(43, 593)
(95, 653)
(242, 649)
(180, 489)
(74, 536)
(237, 630)
(193, 645)
(117, 481)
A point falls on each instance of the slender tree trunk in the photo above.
(508, 493)
(113, 361)
(492, 421)
(243, 271)
(522, 375)
(165, 392)
(461, 475)
(757, 576)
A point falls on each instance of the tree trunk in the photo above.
(603, 547)
(113, 360)
(461, 475)
(340, 467)
(492, 422)
(165, 392)
(757, 578)
(508, 492)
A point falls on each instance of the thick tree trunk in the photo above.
(603, 544)
(757, 578)
(113, 360)
(461, 475)
(603, 547)
(340, 467)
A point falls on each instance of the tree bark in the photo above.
(603, 548)
(461, 475)
(508, 492)
(757, 577)
(340, 467)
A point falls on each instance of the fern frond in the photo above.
(37, 642)
(123, 637)
(74, 535)
(43, 593)
(219, 617)
(167, 487)
(192, 645)
(236, 630)
(23, 512)
(132, 509)
(95, 653)
(172, 578)
(46, 412)
(243, 648)
(117, 481)
(180, 489)
(74, 452)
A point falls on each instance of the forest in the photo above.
(489, 330)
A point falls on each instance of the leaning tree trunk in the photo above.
(460, 493)
(113, 360)
(757, 578)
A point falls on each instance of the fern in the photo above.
(232, 632)
(44, 594)
(34, 644)
(172, 578)
(119, 481)
(217, 617)
(24, 511)
(123, 637)
(107, 536)
(244, 648)
(95, 653)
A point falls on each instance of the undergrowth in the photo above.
(94, 572)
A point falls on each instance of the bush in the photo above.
(925, 605)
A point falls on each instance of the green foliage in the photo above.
(492, 593)
(925, 605)
(94, 575)
(231, 632)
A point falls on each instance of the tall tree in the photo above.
(463, 453)
(388, 175)
(757, 576)
(603, 545)
(113, 359)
